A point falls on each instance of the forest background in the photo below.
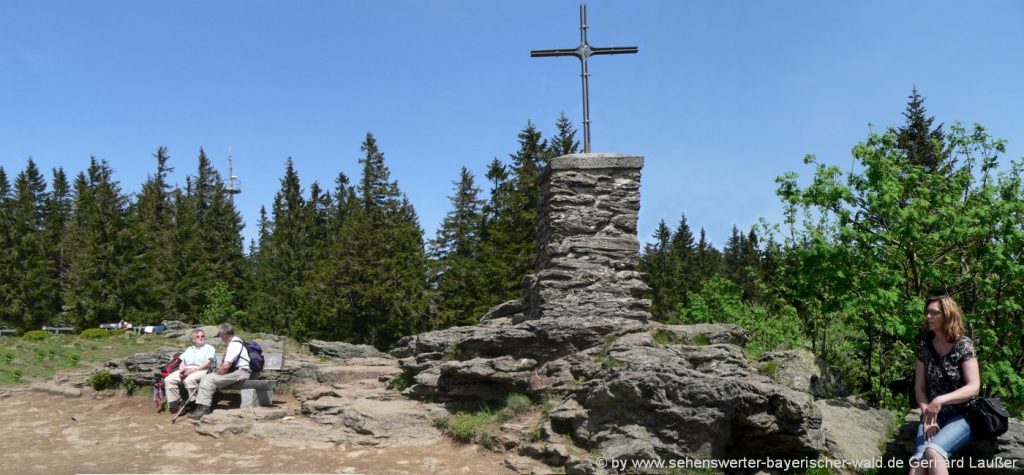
(924, 209)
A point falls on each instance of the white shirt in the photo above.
(197, 355)
(234, 351)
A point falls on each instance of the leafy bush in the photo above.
(35, 335)
(94, 333)
(101, 380)
(6, 357)
(129, 386)
(220, 305)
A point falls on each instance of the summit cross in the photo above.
(584, 51)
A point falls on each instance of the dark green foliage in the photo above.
(151, 256)
(35, 335)
(101, 380)
(457, 276)
(96, 247)
(94, 333)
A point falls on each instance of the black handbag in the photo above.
(986, 415)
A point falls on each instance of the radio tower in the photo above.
(232, 187)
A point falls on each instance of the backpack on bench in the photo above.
(254, 353)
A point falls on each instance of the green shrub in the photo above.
(129, 386)
(94, 333)
(6, 357)
(35, 335)
(101, 380)
(401, 381)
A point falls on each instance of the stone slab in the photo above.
(584, 161)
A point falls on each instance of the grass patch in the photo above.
(27, 359)
(769, 369)
(477, 425)
(664, 337)
(400, 382)
(603, 357)
(699, 340)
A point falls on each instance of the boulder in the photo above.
(853, 429)
(1003, 455)
(141, 367)
(503, 310)
(698, 401)
(342, 350)
(800, 370)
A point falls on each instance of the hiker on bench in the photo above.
(195, 361)
(234, 368)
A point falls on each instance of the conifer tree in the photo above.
(57, 217)
(923, 145)
(509, 245)
(150, 259)
(564, 142)
(382, 267)
(655, 262)
(7, 305)
(682, 260)
(95, 287)
(457, 275)
(33, 282)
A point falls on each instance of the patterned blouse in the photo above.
(962, 350)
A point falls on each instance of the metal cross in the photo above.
(584, 51)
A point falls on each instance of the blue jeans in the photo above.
(954, 433)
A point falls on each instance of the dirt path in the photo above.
(47, 434)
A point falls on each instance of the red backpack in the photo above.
(158, 381)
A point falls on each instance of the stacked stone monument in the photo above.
(587, 247)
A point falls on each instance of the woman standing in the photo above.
(941, 397)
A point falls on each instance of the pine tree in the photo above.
(209, 242)
(33, 283)
(564, 142)
(95, 289)
(682, 261)
(509, 245)
(150, 260)
(655, 263)
(8, 313)
(457, 275)
(923, 145)
(382, 268)
(57, 217)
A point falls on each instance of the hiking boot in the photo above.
(174, 407)
(200, 411)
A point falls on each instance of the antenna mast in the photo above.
(232, 187)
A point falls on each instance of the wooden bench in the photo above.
(260, 392)
(57, 330)
(8, 331)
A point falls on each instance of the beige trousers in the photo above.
(172, 380)
(213, 381)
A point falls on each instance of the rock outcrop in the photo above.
(799, 369)
(341, 350)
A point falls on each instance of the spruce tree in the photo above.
(923, 145)
(57, 217)
(457, 274)
(96, 246)
(682, 261)
(509, 246)
(8, 313)
(382, 268)
(655, 263)
(564, 142)
(150, 260)
(33, 281)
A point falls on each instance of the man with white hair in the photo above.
(194, 362)
(233, 368)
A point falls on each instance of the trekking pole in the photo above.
(191, 396)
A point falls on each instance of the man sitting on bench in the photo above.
(234, 368)
(194, 362)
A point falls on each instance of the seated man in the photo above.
(194, 363)
(234, 368)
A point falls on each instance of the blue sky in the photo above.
(722, 98)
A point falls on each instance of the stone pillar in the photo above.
(587, 247)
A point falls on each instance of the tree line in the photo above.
(349, 262)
